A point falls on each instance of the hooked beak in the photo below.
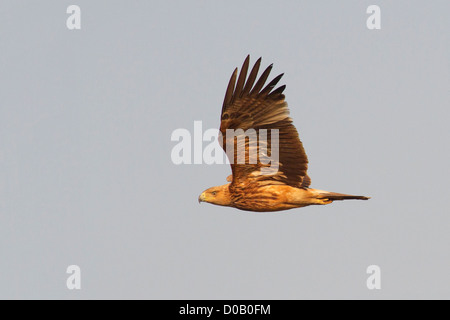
(201, 198)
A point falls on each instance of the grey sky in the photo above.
(86, 176)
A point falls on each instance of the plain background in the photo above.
(86, 176)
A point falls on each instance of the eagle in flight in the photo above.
(251, 107)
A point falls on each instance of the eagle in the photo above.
(250, 107)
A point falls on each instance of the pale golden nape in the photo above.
(219, 195)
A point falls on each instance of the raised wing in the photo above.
(252, 108)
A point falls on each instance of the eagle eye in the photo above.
(213, 193)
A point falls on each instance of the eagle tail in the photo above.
(333, 196)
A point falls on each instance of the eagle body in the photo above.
(251, 106)
(270, 197)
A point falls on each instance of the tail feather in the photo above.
(340, 196)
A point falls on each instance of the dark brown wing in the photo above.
(247, 105)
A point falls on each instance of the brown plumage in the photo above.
(253, 185)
